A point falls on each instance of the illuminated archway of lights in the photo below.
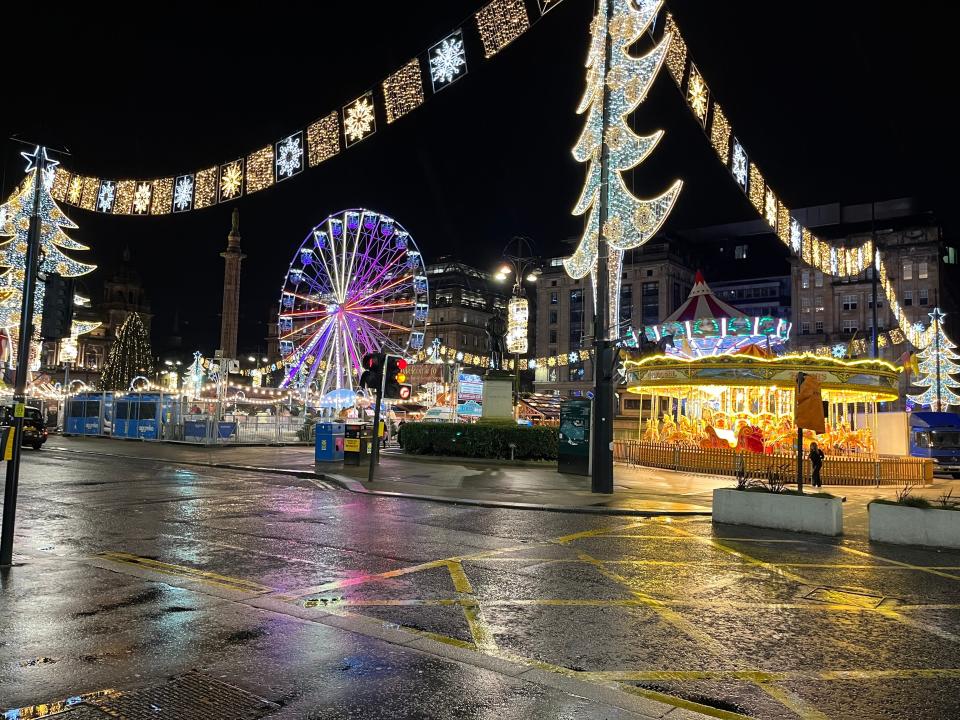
(356, 284)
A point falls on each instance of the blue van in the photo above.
(936, 435)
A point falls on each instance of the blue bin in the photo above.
(329, 442)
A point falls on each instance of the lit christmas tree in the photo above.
(630, 221)
(936, 366)
(129, 357)
(15, 224)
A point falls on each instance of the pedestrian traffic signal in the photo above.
(395, 385)
(372, 371)
(57, 308)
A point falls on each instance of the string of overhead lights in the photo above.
(840, 262)
(497, 24)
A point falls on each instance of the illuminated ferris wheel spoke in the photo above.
(357, 284)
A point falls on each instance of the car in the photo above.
(34, 427)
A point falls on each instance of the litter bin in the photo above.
(329, 442)
(356, 443)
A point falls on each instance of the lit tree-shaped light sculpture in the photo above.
(15, 226)
(130, 355)
(611, 95)
(937, 364)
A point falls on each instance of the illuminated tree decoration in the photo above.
(517, 315)
(323, 139)
(130, 355)
(359, 121)
(289, 156)
(630, 221)
(937, 364)
(106, 196)
(403, 91)
(231, 180)
(53, 240)
(356, 284)
(448, 61)
(183, 193)
(500, 22)
(259, 169)
(698, 95)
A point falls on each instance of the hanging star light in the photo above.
(631, 221)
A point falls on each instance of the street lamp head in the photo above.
(168, 362)
(251, 358)
(505, 269)
(500, 277)
(532, 277)
(264, 359)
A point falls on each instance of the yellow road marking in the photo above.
(684, 704)
(791, 701)
(912, 622)
(921, 568)
(764, 676)
(459, 577)
(564, 539)
(675, 619)
(211, 578)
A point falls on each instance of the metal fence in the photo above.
(837, 470)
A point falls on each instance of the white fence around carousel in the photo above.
(837, 470)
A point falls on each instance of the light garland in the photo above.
(289, 156)
(403, 91)
(500, 23)
(631, 221)
(259, 170)
(448, 61)
(323, 139)
(821, 255)
(698, 96)
(231, 180)
(141, 198)
(61, 184)
(90, 193)
(162, 196)
(183, 193)
(123, 204)
(359, 121)
(205, 188)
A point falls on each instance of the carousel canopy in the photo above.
(702, 304)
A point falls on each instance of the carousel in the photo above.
(725, 381)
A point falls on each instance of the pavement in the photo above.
(148, 588)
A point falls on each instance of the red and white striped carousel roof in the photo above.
(702, 304)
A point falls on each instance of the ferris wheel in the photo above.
(356, 284)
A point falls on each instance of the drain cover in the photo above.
(193, 696)
(836, 596)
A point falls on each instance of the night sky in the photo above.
(837, 102)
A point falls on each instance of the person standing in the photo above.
(816, 462)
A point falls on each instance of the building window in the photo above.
(576, 318)
(849, 302)
(553, 337)
(819, 326)
(740, 252)
(848, 327)
(553, 317)
(576, 373)
(907, 270)
(651, 303)
(870, 304)
(553, 283)
(677, 296)
(805, 279)
(907, 298)
(626, 303)
(924, 297)
(553, 374)
(805, 304)
(922, 271)
(818, 305)
(554, 298)
(649, 273)
(818, 279)
(631, 404)
(804, 328)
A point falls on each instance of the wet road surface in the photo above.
(304, 601)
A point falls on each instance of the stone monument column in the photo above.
(229, 319)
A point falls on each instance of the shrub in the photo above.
(480, 440)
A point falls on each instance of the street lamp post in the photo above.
(520, 261)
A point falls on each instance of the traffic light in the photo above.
(372, 371)
(57, 308)
(395, 385)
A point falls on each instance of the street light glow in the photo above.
(500, 276)
(251, 358)
(532, 277)
(505, 269)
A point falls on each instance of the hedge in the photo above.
(480, 441)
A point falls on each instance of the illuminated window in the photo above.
(922, 271)
(907, 270)
(819, 326)
(554, 298)
(805, 279)
(818, 303)
(740, 252)
(818, 279)
(805, 304)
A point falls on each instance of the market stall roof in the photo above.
(546, 405)
(702, 304)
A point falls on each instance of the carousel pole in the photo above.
(796, 398)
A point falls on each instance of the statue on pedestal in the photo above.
(496, 328)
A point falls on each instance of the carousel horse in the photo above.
(712, 440)
(750, 439)
(652, 433)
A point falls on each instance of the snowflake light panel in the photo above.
(359, 121)
(289, 156)
(448, 61)
(183, 193)
(231, 180)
